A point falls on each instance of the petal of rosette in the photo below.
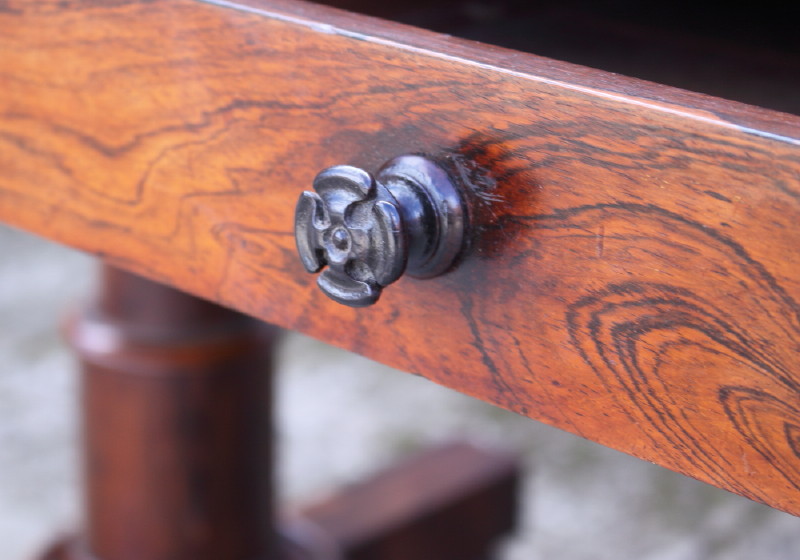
(342, 185)
(310, 221)
(344, 289)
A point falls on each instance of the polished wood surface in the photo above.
(633, 275)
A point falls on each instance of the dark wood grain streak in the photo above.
(633, 275)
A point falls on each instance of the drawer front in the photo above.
(632, 275)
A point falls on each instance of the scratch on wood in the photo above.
(601, 237)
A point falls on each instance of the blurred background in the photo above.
(340, 417)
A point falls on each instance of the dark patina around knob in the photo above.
(369, 231)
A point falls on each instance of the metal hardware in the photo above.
(369, 231)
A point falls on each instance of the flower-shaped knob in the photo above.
(370, 231)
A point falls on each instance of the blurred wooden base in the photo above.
(178, 451)
(452, 502)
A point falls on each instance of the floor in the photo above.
(581, 501)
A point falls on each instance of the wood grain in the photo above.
(633, 274)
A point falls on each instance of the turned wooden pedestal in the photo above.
(178, 451)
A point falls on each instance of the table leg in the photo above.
(177, 427)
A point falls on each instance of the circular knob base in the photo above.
(432, 212)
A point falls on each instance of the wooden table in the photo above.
(631, 275)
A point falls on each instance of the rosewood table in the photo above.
(606, 255)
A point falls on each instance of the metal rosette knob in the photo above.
(368, 231)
